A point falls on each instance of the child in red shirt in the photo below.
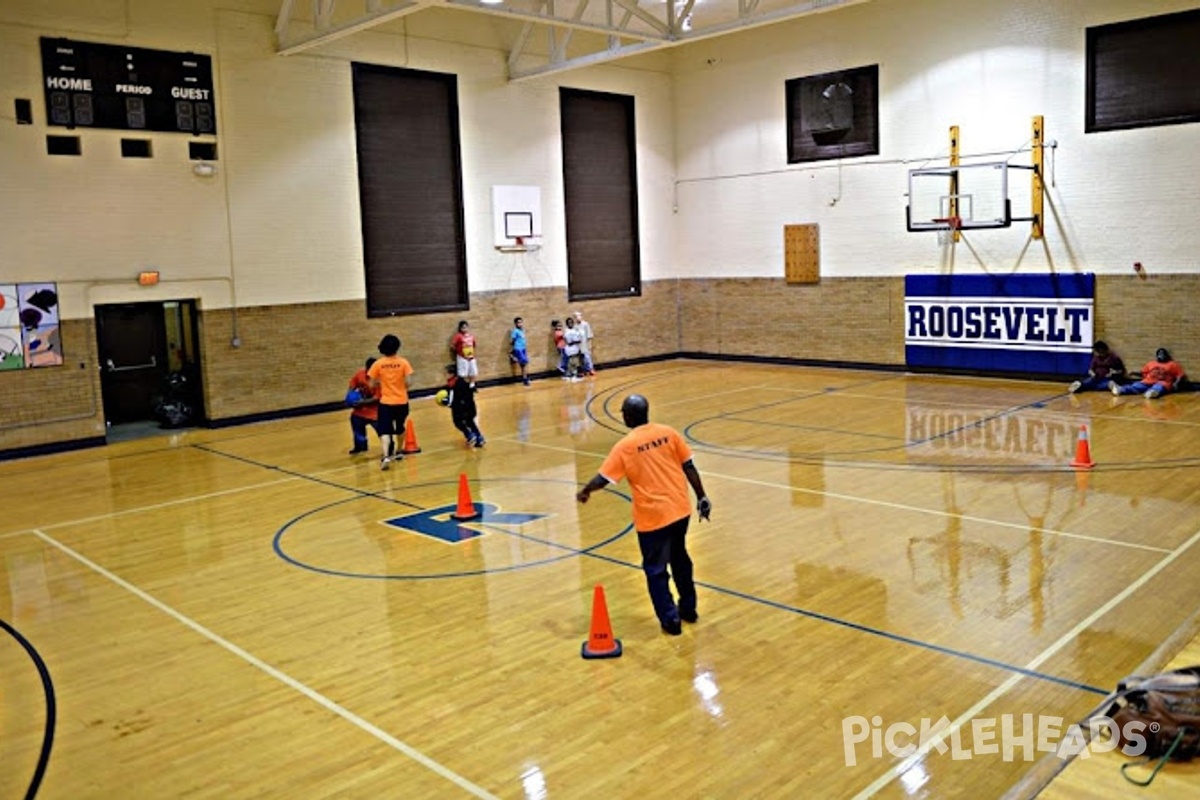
(365, 411)
(463, 347)
(560, 342)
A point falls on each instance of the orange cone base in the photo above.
(410, 440)
(465, 509)
(612, 652)
(1083, 451)
(463, 514)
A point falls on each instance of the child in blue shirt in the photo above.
(518, 354)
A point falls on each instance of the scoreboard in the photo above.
(92, 85)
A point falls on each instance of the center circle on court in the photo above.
(381, 536)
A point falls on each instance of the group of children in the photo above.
(378, 393)
(1107, 371)
(574, 345)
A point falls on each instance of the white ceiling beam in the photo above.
(769, 18)
(514, 55)
(645, 16)
(290, 46)
(658, 34)
(614, 53)
(661, 34)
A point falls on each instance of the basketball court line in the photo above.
(880, 632)
(277, 674)
(816, 429)
(936, 512)
(14, 534)
(753, 598)
(165, 504)
(1002, 689)
(888, 504)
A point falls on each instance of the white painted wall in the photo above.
(987, 67)
(280, 219)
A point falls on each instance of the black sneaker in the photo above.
(672, 627)
(358, 450)
(692, 617)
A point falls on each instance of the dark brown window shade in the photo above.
(410, 190)
(1143, 72)
(600, 195)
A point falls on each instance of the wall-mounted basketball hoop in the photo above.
(963, 197)
(517, 218)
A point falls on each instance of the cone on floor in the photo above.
(600, 642)
(1083, 451)
(410, 439)
(466, 509)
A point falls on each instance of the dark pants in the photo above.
(660, 549)
(391, 423)
(391, 420)
(359, 425)
(464, 420)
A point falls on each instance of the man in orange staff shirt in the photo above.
(390, 375)
(656, 460)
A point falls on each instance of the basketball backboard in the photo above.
(517, 218)
(966, 197)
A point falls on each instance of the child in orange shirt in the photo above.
(1159, 376)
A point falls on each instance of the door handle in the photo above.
(114, 368)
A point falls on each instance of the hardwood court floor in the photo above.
(228, 613)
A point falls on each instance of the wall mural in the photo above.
(29, 326)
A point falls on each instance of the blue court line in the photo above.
(310, 478)
(570, 551)
(895, 637)
(895, 448)
(814, 428)
(731, 592)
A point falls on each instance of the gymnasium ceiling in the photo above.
(548, 36)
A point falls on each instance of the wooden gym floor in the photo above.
(250, 612)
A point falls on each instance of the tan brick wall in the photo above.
(54, 404)
(1136, 316)
(300, 355)
(846, 319)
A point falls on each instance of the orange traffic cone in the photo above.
(600, 642)
(466, 509)
(410, 439)
(1083, 453)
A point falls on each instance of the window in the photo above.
(834, 115)
(410, 190)
(1143, 73)
(600, 189)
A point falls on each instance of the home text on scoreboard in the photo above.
(128, 88)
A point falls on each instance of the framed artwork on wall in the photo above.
(29, 326)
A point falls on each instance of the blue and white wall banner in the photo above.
(1013, 323)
